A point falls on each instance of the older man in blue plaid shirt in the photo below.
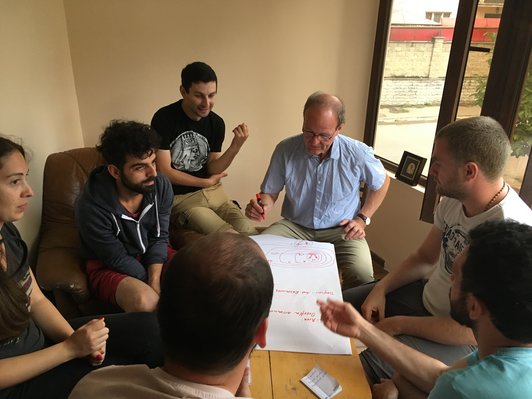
(321, 171)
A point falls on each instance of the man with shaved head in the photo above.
(321, 171)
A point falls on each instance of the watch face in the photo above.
(364, 218)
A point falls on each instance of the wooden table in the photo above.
(276, 375)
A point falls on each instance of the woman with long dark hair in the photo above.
(41, 354)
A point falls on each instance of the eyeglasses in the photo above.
(321, 136)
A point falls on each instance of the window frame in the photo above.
(507, 74)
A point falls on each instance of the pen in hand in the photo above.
(259, 201)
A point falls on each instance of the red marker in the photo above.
(259, 201)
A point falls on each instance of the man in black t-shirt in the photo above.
(190, 155)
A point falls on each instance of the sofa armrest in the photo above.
(62, 269)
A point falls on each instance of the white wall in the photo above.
(37, 96)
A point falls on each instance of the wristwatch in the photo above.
(364, 218)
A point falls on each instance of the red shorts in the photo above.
(104, 282)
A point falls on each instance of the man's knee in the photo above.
(145, 301)
(231, 213)
(354, 262)
(355, 271)
(133, 298)
(201, 219)
(285, 228)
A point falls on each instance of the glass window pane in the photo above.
(521, 137)
(479, 59)
(414, 75)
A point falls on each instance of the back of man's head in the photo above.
(127, 138)
(197, 72)
(480, 139)
(215, 294)
(498, 271)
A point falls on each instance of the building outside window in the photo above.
(414, 71)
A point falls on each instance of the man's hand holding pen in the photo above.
(256, 209)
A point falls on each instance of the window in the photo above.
(412, 85)
(501, 96)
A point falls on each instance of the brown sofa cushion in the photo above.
(59, 265)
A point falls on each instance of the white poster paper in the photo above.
(303, 271)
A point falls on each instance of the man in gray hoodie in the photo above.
(123, 215)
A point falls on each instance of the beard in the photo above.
(460, 314)
(140, 188)
(451, 190)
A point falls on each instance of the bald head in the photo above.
(321, 99)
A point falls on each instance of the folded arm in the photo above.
(181, 178)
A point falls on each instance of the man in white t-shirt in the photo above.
(468, 161)
(215, 300)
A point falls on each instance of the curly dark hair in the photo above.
(123, 138)
(498, 271)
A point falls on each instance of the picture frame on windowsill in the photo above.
(410, 168)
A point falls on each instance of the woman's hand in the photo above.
(97, 358)
(89, 339)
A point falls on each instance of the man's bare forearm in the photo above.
(420, 369)
(441, 329)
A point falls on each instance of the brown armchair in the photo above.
(60, 268)
(59, 265)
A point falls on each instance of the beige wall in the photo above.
(395, 230)
(269, 56)
(37, 96)
(124, 58)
